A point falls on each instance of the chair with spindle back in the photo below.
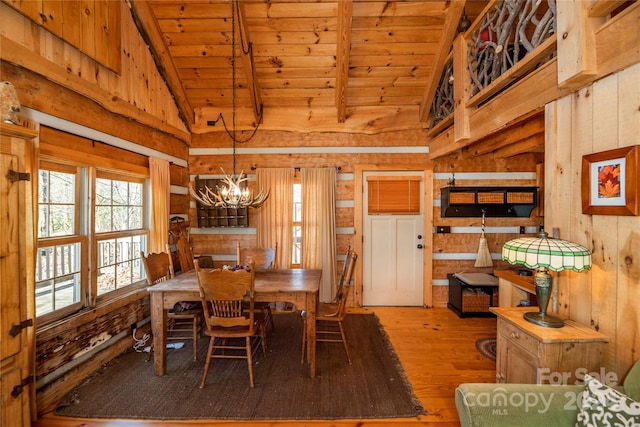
(223, 293)
(329, 317)
(262, 259)
(181, 325)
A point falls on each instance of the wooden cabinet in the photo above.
(532, 354)
(17, 296)
(471, 294)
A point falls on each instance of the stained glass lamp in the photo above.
(544, 254)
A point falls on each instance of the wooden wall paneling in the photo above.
(557, 191)
(581, 116)
(113, 36)
(30, 9)
(539, 211)
(101, 30)
(87, 27)
(578, 111)
(601, 116)
(71, 31)
(627, 329)
(606, 232)
(53, 12)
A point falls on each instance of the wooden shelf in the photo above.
(508, 202)
(523, 282)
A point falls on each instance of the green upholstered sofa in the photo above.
(519, 405)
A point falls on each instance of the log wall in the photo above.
(108, 118)
(451, 253)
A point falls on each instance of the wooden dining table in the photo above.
(297, 286)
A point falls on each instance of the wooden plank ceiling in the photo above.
(351, 66)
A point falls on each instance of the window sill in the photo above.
(88, 314)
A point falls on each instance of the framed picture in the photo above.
(610, 182)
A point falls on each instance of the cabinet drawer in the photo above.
(518, 337)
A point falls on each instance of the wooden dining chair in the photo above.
(262, 259)
(330, 317)
(346, 274)
(182, 324)
(223, 293)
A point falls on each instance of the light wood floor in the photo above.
(436, 348)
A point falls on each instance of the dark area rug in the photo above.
(373, 386)
(487, 347)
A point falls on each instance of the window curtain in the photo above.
(275, 216)
(319, 226)
(160, 194)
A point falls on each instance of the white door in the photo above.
(393, 251)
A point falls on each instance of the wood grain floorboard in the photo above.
(437, 351)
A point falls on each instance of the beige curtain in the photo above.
(160, 192)
(319, 226)
(275, 216)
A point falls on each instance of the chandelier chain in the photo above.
(234, 193)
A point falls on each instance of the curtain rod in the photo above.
(338, 168)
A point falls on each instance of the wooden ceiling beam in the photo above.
(247, 61)
(366, 120)
(528, 126)
(449, 32)
(534, 143)
(343, 48)
(599, 8)
(150, 32)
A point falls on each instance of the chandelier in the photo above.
(234, 192)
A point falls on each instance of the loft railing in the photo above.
(507, 33)
(560, 51)
(508, 40)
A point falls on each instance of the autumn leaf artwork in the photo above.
(609, 181)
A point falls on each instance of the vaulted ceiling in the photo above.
(354, 66)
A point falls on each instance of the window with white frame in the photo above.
(114, 219)
(120, 236)
(297, 226)
(59, 261)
